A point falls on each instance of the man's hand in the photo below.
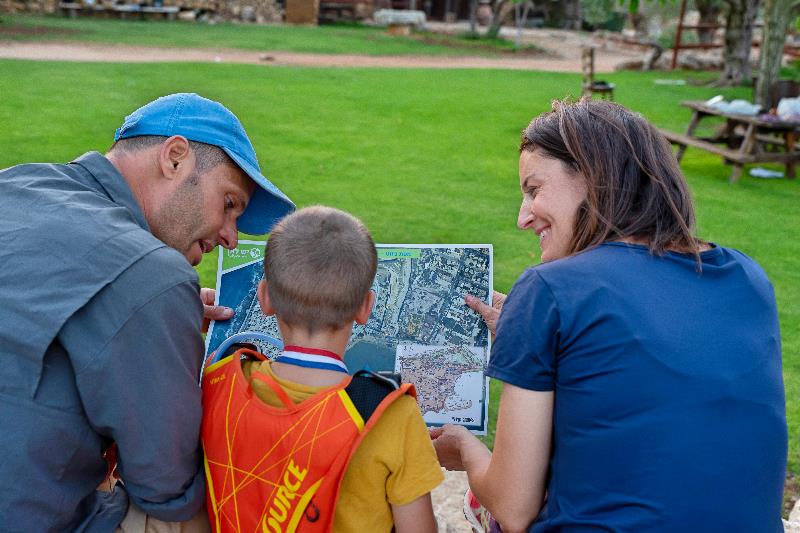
(489, 314)
(211, 311)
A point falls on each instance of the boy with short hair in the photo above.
(289, 443)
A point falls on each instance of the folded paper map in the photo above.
(419, 326)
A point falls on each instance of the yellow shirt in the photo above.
(395, 463)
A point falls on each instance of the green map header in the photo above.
(241, 255)
(398, 253)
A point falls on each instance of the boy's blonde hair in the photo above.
(319, 264)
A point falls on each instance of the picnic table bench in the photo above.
(743, 139)
(400, 21)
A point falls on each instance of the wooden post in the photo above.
(730, 132)
(302, 11)
(678, 32)
(689, 131)
(587, 65)
(748, 144)
(473, 8)
(790, 138)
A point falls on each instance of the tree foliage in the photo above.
(596, 12)
(633, 5)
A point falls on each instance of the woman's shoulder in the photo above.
(613, 266)
(586, 264)
(622, 256)
(735, 263)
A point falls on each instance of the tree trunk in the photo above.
(638, 22)
(709, 11)
(565, 14)
(777, 15)
(738, 41)
(502, 8)
(573, 12)
(473, 15)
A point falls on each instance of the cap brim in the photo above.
(267, 205)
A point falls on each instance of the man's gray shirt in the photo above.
(99, 343)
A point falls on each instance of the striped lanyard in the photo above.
(311, 358)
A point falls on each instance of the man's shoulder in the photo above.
(61, 205)
(35, 169)
(160, 269)
(164, 260)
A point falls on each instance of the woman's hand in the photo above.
(489, 314)
(456, 447)
(211, 311)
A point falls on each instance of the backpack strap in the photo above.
(276, 388)
(368, 389)
(243, 339)
(371, 393)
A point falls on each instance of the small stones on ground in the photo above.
(448, 503)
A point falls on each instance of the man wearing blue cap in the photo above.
(102, 343)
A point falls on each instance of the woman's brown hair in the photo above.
(635, 188)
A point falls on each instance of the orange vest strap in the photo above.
(250, 353)
(276, 388)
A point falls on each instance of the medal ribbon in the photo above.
(312, 358)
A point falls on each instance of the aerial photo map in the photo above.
(419, 326)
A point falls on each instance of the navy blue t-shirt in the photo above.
(669, 411)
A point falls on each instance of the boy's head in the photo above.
(319, 265)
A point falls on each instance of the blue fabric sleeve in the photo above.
(524, 351)
(140, 389)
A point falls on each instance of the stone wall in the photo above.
(28, 6)
(260, 11)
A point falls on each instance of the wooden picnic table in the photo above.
(743, 139)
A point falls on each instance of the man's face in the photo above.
(201, 211)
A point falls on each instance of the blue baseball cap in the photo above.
(202, 120)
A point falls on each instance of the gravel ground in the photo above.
(448, 502)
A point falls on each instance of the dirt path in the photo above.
(64, 51)
(448, 502)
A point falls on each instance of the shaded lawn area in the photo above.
(423, 156)
(334, 39)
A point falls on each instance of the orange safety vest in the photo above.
(277, 469)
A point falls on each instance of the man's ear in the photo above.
(175, 158)
(362, 316)
(263, 298)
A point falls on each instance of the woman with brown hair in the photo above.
(641, 365)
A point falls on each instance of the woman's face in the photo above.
(550, 199)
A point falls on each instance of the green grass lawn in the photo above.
(423, 156)
(334, 39)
